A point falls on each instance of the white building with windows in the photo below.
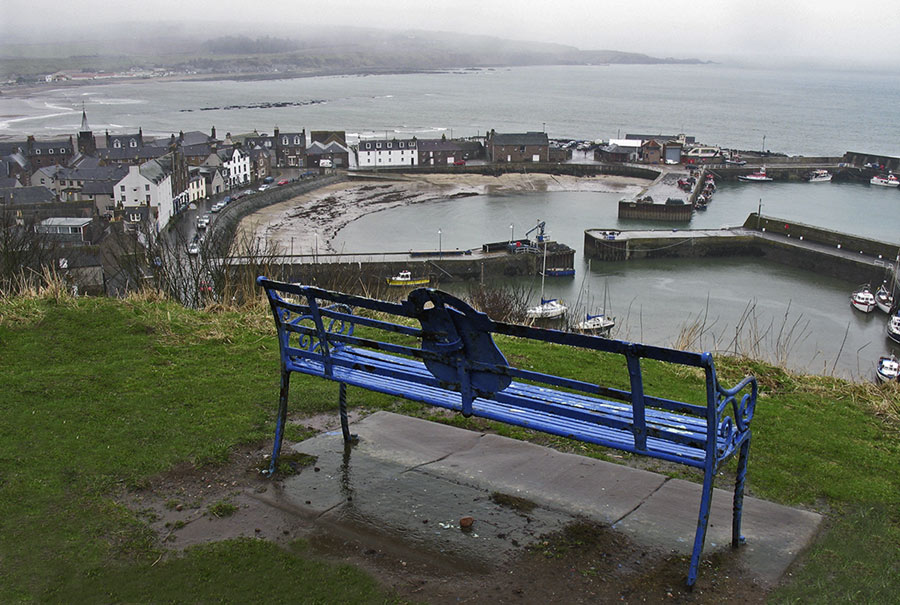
(387, 153)
(146, 191)
(237, 163)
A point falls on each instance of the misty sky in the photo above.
(842, 33)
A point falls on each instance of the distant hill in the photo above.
(315, 50)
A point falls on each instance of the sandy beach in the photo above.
(306, 222)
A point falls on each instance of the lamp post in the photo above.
(511, 238)
(764, 144)
(440, 248)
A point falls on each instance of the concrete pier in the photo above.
(811, 248)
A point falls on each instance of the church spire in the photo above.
(84, 124)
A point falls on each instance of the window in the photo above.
(61, 150)
(401, 144)
(148, 198)
(368, 145)
(51, 151)
(122, 188)
(37, 152)
(146, 187)
(390, 145)
(123, 199)
(284, 141)
(117, 143)
(132, 143)
(134, 217)
(377, 145)
(296, 140)
(412, 143)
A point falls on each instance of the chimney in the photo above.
(212, 132)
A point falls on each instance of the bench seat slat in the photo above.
(525, 405)
(677, 422)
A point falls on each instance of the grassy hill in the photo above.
(99, 396)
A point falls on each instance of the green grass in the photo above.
(100, 395)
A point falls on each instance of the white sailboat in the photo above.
(550, 308)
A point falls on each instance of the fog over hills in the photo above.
(324, 49)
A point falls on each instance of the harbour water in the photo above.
(798, 318)
(797, 112)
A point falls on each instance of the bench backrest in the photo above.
(455, 343)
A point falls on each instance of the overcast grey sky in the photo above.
(843, 33)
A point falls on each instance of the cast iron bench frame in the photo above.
(459, 367)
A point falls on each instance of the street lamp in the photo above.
(511, 238)
(764, 144)
(440, 248)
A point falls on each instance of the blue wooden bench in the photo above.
(435, 349)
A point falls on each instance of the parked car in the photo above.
(203, 221)
(269, 179)
(263, 187)
(459, 163)
(217, 206)
(247, 192)
(282, 182)
(194, 249)
(226, 201)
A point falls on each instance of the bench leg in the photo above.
(702, 524)
(281, 420)
(345, 424)
(736, 538)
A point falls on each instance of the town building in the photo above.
(145, 193)
(446, 152)
(517, 147)
(387, 153)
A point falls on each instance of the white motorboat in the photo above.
(862, 299)
(884, 300)
(598, 324)
(819, 176)
(890, 180)
(893, 328)
(887, 369)
(405, 278)
(756, 177)
(548, 309)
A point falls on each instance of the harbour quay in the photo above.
(839, 255)
(491, 261)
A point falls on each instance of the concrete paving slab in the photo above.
(582, 486)
(412, 480)
(775, 534)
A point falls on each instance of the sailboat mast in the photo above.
(543, 272)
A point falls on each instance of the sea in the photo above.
(800, 319)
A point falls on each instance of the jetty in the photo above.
(799, 245)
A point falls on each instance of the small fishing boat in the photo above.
(890, 180)
(887, 369)
(405, 278)
(884, 300)
(893, 328)
(862, 299)
(756, 177)
(596, 324)
(559, 272)
(550, 308)
(819, 176)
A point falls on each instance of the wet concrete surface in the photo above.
(407, 483)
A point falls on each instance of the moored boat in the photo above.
(887, 369)
(862, 299)
(597, 324)
(559, 272)
(893, 328)
(756, 177)
(890, 180)
(819, 176)
(548, 309)
(884, 300)
(405, 278)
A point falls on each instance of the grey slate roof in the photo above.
(126, 153)
(27, 195)
(153, 171)
(448, 145)
(99, 187)
(318, 148)
(526, 138)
